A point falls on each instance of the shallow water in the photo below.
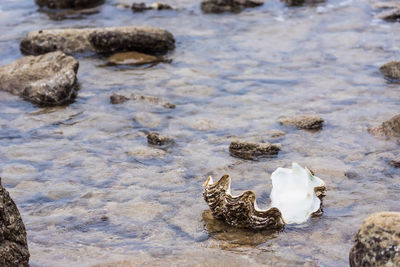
(92, 191)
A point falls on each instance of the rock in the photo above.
(118, 99)
(220, 6)
(301, 2)
(48, 79)
(377, 243)
(76, 4)
(395, 163)
(71, 14)
(132, 58)
(391, 70)
(157, 139)
(140, 7)
(102, 40)
(13, 243)
(390, 15)
(252, 151)
(307, 122)
(389, 129)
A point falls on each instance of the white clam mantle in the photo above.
(293, 193)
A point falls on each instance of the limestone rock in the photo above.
(220, 6)
(307, 122)
(389, 129)
(377, 243)
(76, 4)
(132, 58)
(13, 243)
(391, 70)
(252, 151)
(48, 79)
(102, 40)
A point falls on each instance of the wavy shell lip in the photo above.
(242, 210)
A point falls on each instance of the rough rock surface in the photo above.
(157, 139)
(220, 6)
(377, 243)
(139, 7)
(390, 15)
(103, 40)
(132, 58)
(250, 150)
(395, 163)
(118, 99)
(48, 79)
(13, 244)
(389, 129)
(76, 4)
(391, 70)
(307, 122)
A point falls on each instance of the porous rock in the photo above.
(147, 40)
(75, 4)
(391, 70)
(157, 139)
(307, 122)
(389, 129)
(377, 242)
(48, 79)
(220, 6)
(252, 151)
(13, 243)
(118, 99)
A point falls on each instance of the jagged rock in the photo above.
(377, 243)
(220, 6)
(389, 129)
(157, 139)
(391, 70)
(307, 122)
(139, 7)
(118, 99)
(48, 79)
(132, 58)
(102, 40)
(252, 151)
(76, 4)
(13, 243)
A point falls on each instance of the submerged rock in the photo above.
(48, 79)
(301, 2)
(71, 14)
(377, 243)
(389, 129)
(390, 15)
(13, 243)
(220, 6)
(157, 139)
(391, 70)
(132, 58)
(252, 151)
(307, 122)
(75, 4)
(102, 40)
(395, 163)
(118, 99)
(139, 7)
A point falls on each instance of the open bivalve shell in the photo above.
(296, 195)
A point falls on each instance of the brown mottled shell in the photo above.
(239, 211)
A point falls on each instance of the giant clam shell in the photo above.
(240, 211)
(297, 192)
